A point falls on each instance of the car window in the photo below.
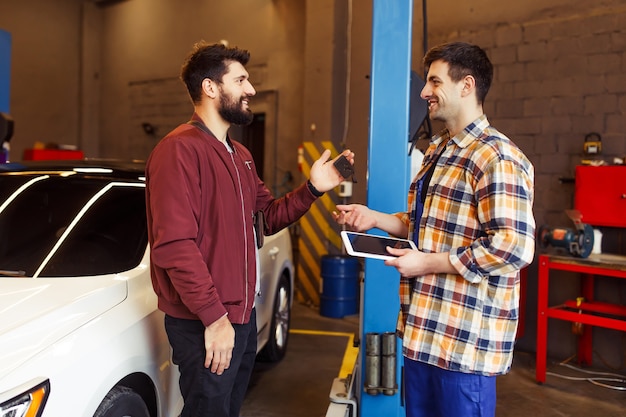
(31, 223)
(110, 236)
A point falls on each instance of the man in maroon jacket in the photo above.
(202, 194)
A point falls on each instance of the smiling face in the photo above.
(442, 93)
(235, 91)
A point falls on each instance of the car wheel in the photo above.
(276, 346)
(122, 402)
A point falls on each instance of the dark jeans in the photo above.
(207, 394)
(434, 392)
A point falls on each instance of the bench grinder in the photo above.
(578, 242)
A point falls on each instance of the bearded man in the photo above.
(202, 192)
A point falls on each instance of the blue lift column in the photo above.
(5, 70)
(5, 84)
(387, 181)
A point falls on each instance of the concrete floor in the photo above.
(299, 385)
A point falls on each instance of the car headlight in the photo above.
(28, 403)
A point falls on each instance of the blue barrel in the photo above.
(340, 286)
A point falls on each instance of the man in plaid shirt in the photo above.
(470, 214)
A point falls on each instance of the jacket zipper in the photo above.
(245, 235)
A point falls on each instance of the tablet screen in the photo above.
(372, 246)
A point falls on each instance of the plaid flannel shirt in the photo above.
(479, 209)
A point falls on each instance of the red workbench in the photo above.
(589, 312)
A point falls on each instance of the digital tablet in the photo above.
(372, 246)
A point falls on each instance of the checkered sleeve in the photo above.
(504, 192)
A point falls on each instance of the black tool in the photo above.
(578, 242)
(345, 168)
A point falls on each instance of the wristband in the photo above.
(314, 190)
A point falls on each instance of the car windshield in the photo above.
(64, 226)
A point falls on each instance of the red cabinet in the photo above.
(51, 154)
(601, 195)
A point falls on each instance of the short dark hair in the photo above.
(208, 61)
(464, 59)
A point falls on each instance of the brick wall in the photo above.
(164, 103)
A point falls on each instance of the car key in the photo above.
(345, 168)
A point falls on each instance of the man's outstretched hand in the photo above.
(324, 176)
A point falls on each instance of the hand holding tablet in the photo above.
(373, 246)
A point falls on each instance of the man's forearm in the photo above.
(391, 224)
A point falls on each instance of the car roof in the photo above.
(111, 168)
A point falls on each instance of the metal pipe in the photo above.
(388, 363)
(372, 363)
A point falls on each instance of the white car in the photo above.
(80, 332)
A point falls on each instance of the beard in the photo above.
(232, 110)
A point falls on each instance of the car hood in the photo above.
(35, 313)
